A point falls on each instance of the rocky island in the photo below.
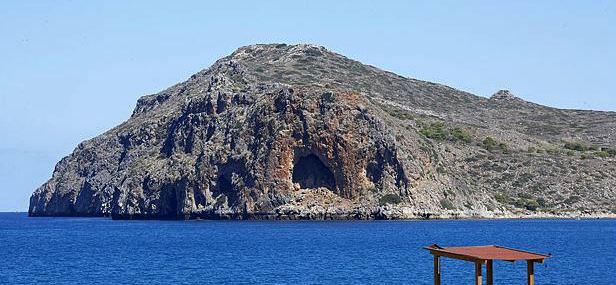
(281, 131)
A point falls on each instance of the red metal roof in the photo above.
(486, 252)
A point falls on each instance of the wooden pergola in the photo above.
(485, 254)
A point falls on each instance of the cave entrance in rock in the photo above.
(310, 172)
(226, 188)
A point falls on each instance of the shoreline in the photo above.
(270, 217)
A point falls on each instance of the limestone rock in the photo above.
(299, 132)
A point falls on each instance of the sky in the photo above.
(70, 70)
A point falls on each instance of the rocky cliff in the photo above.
(300, 132)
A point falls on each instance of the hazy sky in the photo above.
(71, 69)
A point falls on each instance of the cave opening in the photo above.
(310, 172)
(226, 188)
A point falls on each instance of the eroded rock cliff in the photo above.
(290, 132)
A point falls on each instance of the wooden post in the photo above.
(478, 278)
(530, 272)
(489, 275)
(437, 270)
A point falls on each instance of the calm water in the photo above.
(102, 251)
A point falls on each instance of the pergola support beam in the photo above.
(437, 270)
(489, 274)
(530, 272)
(478, 276)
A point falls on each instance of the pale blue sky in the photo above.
(70, 70)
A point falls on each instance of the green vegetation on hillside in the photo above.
(524, 201)
(400, 114)
(390, 199)
(574, 148)
(589, 150)
(491, 144)
(461, 135)
(528, 204)
(435, 131)
(502, 198)
(438, 131)
(577, 146)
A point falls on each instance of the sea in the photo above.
(104, 251)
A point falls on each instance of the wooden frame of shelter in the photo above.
(485, 254)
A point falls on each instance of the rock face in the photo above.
(299, 132)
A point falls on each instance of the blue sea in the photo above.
(102, 251)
